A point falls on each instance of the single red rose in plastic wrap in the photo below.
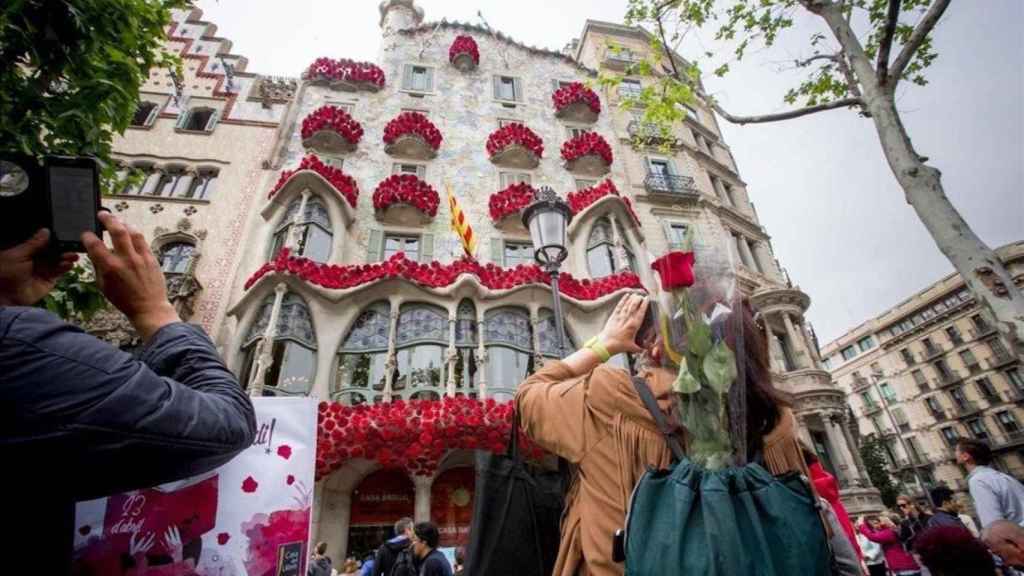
(675, 270)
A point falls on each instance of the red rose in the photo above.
(675, 270)
(249, 485)
(223, 538)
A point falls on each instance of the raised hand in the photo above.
(620, 330)
(172, 540)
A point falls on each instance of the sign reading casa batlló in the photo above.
(251, 516)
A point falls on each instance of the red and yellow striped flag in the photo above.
(460, 224)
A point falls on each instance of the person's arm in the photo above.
(552, 402)
(883, 536)
(986, 501)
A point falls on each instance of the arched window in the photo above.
(176, 257)
(363, 357)
(203, 185)
(314, 230)
(547, 335)
(421, 342)
(294, 349)
(145, 113)
(601, 250)
(144, 177)
(173, 178)
(467, 339)
(508, 337)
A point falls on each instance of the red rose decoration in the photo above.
(675, 270)
(290, 480)
(412, 124)
(249, 485)
(573, 93)
(334, 119)
(223, 538)
(344, 184)
(464, 45)
(579, 200)
(284, 451)
(362, 74)
(586, 144)
(512, 199)
(515, 134)
(406, 189)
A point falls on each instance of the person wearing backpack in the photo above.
(429, 560)
(593, 415)
(387, 555)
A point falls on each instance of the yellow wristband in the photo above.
(598, 348)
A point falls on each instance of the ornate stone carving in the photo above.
(156, 208)
(121, 206)
(190, 210)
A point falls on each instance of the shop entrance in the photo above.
(377, 503)
(451, 505)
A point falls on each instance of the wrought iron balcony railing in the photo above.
(673, 184)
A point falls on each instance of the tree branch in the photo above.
(741, 120)
(924, 27)
(804, 63)
(851, 81)
(885, 44)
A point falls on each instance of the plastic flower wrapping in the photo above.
(698, 333)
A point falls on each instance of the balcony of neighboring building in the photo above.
(620, 59)
(672, 186)
(939, 414)
(651, 134)
(949, 378)
(870, 408)
(932, 351)
(967, 409)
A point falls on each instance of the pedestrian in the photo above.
(72, 402)
(827, 487)
(460, 561)
(914, 521)
(885, 533)
(997, 496)
(871, 551)
(969, 523)
(1006, 540)
(387, 554)
(368, 561)
(320, 563)
(351, 567)
(429, 560)
(948, 550)
(591, 414)
(947, 513)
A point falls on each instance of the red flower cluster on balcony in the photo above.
(580, 199)
(334, 119)
(437, 275)
(406, 189)
(512, 199)
(414, 435)
(345, 70)
(343, 183)
(584, 144)
(412, 123)
(514, 134)
(576, 92)
(464, 45)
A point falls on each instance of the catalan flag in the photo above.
(460, 224)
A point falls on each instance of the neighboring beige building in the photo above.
(936, 362)
(335, 329)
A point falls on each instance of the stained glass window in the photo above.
(293, 367)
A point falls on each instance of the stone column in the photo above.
(452, 352)
(621, 261)
(796, 343)
(422, 509)
(295, 232)
(767, 261)
(773, 346)
(745, 255)
(392, 361)
(150, 182)
(265, 354)
(861, 470)
(803, 432)
(335, 517)
(181, 187)
(810, 343)
(845, 465)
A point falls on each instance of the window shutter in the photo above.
(182, 119)
(670, 236)
(430, 80)
(498, 251)
(152, 115)
(421, 172)
(671, 167)
(497, 87)
(407, 77)
(426, 248)
(375, 249)
(212, 122)
(503, 177)
(555, 85)
(517, 87)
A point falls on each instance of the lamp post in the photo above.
(547, 219)
(896, 430)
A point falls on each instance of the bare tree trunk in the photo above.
(978, 265)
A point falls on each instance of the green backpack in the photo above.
(740, 521)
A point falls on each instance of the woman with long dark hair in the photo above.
(592, 415)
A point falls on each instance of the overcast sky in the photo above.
(837, 217)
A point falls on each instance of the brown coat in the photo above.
(599, 423)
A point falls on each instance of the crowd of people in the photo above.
(413, 551)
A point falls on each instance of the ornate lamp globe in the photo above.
(547, 219)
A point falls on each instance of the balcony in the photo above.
(967, 409)
(1009, 439)
(672, 185)
(1000, 358)
(974, 368)
(651, 134)
(620, 60)
(923, 386)
(870, 408)
(951, 378)
(982, 329)
(932, 352)
(939, 415)
(860, 382)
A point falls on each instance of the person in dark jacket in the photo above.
(319, 563)
(913, 522)
(386, 555)
(82, 419)
(430, 561)
(948, 509)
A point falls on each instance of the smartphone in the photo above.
(647, 326)
(72, 187)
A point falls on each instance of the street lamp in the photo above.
(547, 219)
(875, 376)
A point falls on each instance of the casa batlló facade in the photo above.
(330, 268)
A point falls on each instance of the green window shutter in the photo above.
(152, 115)
(407, 77)
(426, 248)
(498, 251)
(182, 118)
(497, 87)
(375, 249)
(430, 79)
(212, 122)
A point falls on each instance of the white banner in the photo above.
(250, 517)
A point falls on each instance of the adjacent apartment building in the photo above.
(935, 363)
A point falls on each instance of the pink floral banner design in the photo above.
(251, 516)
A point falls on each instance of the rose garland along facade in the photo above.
(367, 302)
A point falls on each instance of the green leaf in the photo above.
(685, 382)
(698, 339)
(720, 368)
